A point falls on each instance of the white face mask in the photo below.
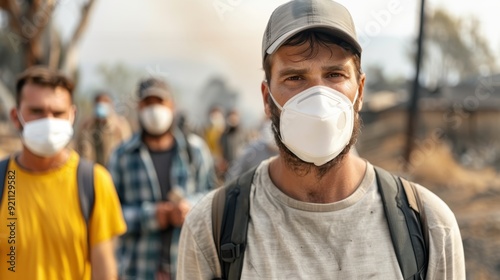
(316, 124)
(102, 110)
(46, 137)
(156, 119)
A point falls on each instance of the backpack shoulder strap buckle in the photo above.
(230, 252)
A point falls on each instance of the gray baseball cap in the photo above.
(154, 87)
(299, 15)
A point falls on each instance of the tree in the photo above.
(29, 36)
(120, 80)
(454, 49)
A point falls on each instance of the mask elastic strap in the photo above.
(20, 118)
(274, 100)
(355, 98)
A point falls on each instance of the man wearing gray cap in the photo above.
(317, 211)
(159, 173)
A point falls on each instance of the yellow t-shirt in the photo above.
(43, 234)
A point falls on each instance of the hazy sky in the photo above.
(174, 37)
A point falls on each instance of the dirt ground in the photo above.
(473, 195)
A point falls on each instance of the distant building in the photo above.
(465, 115)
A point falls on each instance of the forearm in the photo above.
(103, 261)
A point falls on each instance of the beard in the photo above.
(301, 167)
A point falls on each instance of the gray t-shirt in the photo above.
(290, 239)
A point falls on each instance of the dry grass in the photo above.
(473, 195)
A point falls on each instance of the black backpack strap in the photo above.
(4, 163)
(85, 180)
(405, 225)
(230, 217)
(85, 177)
(218, 205)
(416, 204)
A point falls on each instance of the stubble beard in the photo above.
(300, 167)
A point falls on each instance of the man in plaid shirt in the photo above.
(159, 173)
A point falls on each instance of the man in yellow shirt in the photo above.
(43, 232)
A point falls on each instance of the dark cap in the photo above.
(154, 87)
(299, 15)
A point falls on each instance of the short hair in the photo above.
(43, 76)
(316, 38)
(101, 95)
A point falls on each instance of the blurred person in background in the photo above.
(212, 134)
(101, 133)
(233, 139)
(50, 236)
(159, 174)
(254, 152)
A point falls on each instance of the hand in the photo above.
(162, 275)
(179, 212)
(163, 212)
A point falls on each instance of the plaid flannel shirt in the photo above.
(138, 189)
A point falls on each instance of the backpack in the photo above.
(85, 182)
(402, 207)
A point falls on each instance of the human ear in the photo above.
(15, 118)
(361, 90)
(264, 88)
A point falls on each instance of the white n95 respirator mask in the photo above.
(156, 119)
(46, 137)
(316, 124)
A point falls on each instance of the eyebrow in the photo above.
(34, 108)
(339, 67)
(292, 71)
(301, 71)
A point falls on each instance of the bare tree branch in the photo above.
(70, 60)
(55, 49)
(38, 17)
(30, 25)
(13, 10)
